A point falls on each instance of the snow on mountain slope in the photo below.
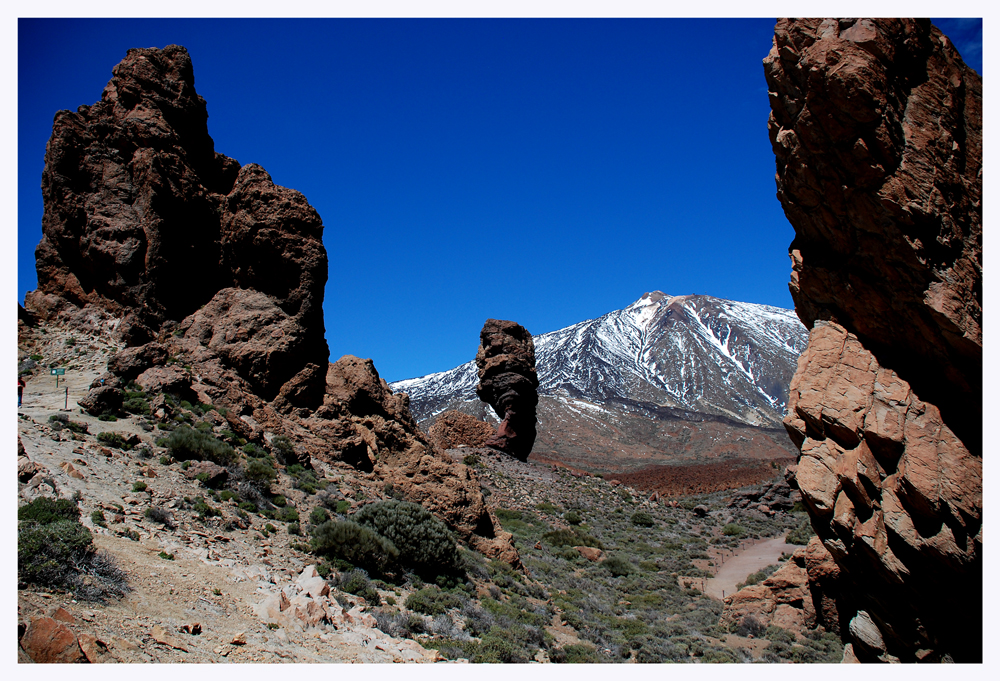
(680, 354)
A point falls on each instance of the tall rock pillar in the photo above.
(508, 383)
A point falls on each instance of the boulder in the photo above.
(216, 475)
(131, 362)
(50, 641)
(454, 428)
(508, 382)
(100, 400)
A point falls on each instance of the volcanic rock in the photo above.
(137, 201)
(49, 641)
(876, 126)
(800, 596)
(455, 428)
(508, 383)
(102, 399)
(196, 259)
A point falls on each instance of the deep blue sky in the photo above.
(545, 171)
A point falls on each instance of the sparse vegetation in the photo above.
(424, 543)
(187, 443)
(55, 550)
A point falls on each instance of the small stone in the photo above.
(239, 639)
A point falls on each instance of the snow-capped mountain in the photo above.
(678, 356)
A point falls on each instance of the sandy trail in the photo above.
(746, 562)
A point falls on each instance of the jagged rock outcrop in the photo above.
(214, 277)
(508, 382)
(145, 220)
(454, 429)
(876, 127)
(800, 596)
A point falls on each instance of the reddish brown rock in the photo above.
(876, 126)
(800, 596)
(508, 382)
(49, 641)
(137, 199)
(214, 474)
(454, 428)
(102, 399)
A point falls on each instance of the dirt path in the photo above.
(751, 559)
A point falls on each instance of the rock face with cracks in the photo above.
(214, 277)
(876, 127)
(508, 383)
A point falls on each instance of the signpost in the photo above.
(57, 373)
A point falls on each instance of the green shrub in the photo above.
(642, 519)
(107, 416)
(55, 550)
(355, 544)
(226, 495)
(548, 507)
(139, 486)
(343, 506)
(187, 443)
(166, 556)
(165, 460)
(97, 517)
(254, 451)
(573, 518)
(288, 515)
(617, 566)
(734, 530)
(258, 471)
(802, 534)
(282, 449)
(113, 440)
(44, 511)
(470, 459)
(270, 528)
(319, 515)
(432, 601)
(424, 543)
(571, 538)
(581, 654)
(136, 405)
(203, 509)
(293, 528)
(356, 582)
(279, 501)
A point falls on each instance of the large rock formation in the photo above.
(508, 383)
(876, 126)
(145, 220)
(214, 276)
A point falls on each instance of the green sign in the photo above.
(57, 372)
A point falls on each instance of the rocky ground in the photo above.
(231, 586)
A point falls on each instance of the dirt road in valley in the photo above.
(752, 558)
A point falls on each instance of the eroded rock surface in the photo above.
(876, 126)
(508, 382)
(455, 429)
(213, 278)
(146, 221)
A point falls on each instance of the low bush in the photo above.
(288, 515)
(136, 405)
(113, 440)
(573, 518)
(733, 530)
(160, 515)
(319, 515)
(432, 601)
(751, 626)
(55, 550)
(139, 486)
(425, 544)
(187, 443)
(354, 543)
(617, 566)
(571, 538)
(642, 519)
(801, 534)
(97, 517)
(282, 449)
(356, 582)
